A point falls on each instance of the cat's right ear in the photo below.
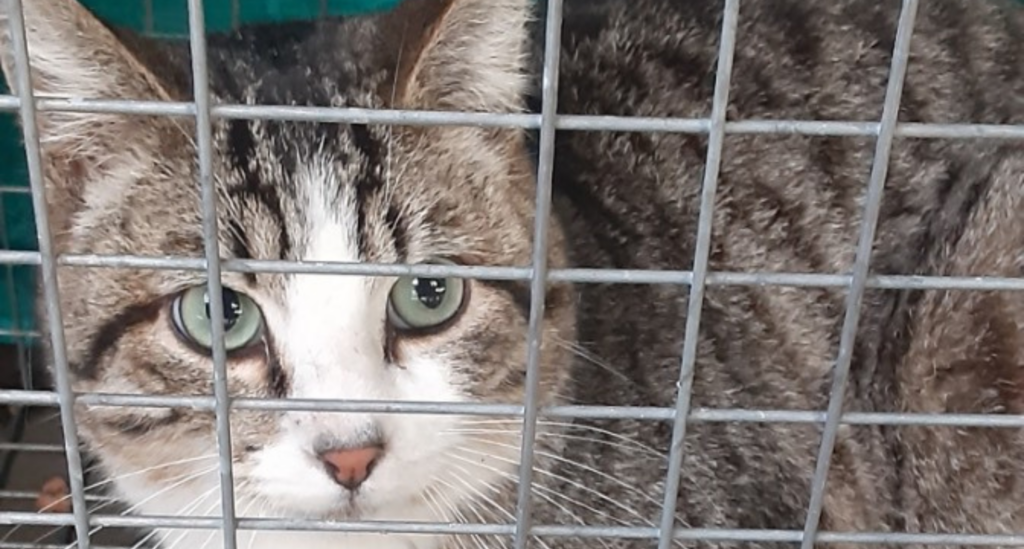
(461, 54)
(73, 55)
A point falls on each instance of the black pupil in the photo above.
(232, 307)
(429, 291)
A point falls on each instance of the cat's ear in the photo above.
(464, 54)
(72, 54)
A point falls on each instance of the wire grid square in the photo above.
(547, 122)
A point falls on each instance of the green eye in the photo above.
(243, 320)
(419, 303)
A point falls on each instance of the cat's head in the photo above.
(301, 191)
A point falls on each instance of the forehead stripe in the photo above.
(368, 184)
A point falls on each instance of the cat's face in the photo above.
(301, 191)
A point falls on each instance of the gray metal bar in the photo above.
(16, 545)
(695, 303)
(19, 333)
(823, 128)
(584, 531)
(861, 266)
(620, 276)
(48, 270)
(539, 273)
(29, 447)
(211, 245)
(148, 22)
(642, 413)
(749, 536)
(24, 494)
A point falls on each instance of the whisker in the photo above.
(216, 503)
(185, 510)
(254, 533)
(104, 482)
(556, 436)
(578, 465)
(490, 501)
(566, 480)
(586, 355)
(94, 508)
(543, 491)
(435, 506)
(184, 479)
(245, 511)
(569, 425)
(478, 541)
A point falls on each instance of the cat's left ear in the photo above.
(467, 55)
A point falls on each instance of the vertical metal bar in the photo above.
(236, 14)
(716, 138)
(148, 17)
(539, 274)
(862, 263)
(48, 271)
(325, 8)
(204, 134)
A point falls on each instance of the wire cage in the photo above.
(81, 521)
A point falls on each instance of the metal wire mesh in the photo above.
(537, 273)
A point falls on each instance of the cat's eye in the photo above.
(243, 320)
(422, 303)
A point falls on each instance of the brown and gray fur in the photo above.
(785, 203)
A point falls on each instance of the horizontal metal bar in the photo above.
(29, 447)
(585, 531)
(24, 494)
(6, 332)
(19, 257)
(820, 128)
(710, 415)
(586, 276)
(17, 545)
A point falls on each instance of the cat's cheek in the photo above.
(288, 476)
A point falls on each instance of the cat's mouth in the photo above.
(351, 507)
(348, 508)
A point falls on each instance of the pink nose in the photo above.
(351, 467)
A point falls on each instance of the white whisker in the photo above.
(566, 480)
(635, 444)
(577, 465)
(475, 539)
(586, 355)
(186, 509)
(542, 492)
(105, 482)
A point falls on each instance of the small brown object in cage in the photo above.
(54, 497)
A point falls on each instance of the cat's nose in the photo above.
(350, 467)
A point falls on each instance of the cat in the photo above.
(465, 195)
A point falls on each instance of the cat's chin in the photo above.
(350, 509)
(345, 511)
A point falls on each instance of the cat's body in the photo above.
(338, 193)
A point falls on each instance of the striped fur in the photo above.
(336, 192)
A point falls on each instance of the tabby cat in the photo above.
(465, 195)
